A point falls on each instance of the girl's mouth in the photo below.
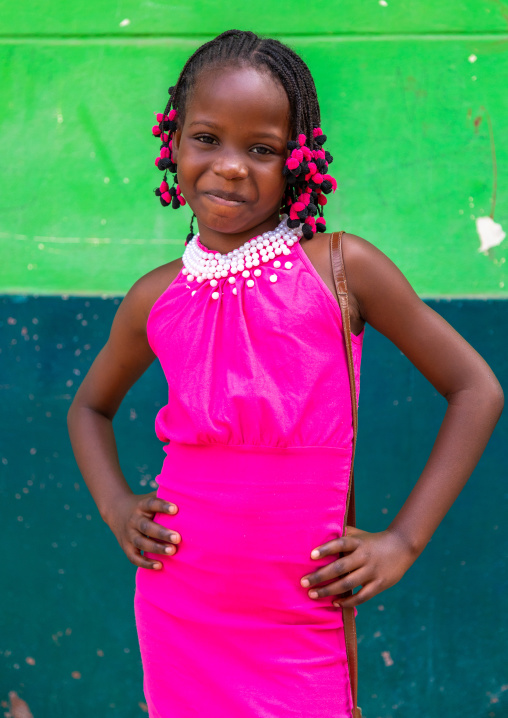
(225, 198)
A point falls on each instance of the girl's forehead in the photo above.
(244, 95)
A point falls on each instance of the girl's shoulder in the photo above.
(354, 249)
(373, 280)
(147, 289)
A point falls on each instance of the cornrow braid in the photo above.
(306, 168)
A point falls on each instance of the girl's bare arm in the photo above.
(124, 358)
(383, 297)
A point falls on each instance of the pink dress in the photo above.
(257, 433)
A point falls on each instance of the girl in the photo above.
(242, 564)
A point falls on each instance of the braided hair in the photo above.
(306, 168)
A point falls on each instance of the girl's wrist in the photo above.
(108, 508)
(413, 546)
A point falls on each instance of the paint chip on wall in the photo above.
(491, 233)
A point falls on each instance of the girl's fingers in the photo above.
(142, 543)
(347, 583)
(150, 528)
(153, 505)
(138, 560)
(336, 568)
(364, 594)
(345, 544)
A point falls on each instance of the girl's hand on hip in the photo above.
(374, 561)
(135, 530)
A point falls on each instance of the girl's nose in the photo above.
(230, 166)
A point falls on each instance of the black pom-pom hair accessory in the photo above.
(308, 182)
(164, 131)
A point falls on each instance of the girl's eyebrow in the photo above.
(203, 122)
(256, 132)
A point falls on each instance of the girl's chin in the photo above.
(227, 223)
(231, 221)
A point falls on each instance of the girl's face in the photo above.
(230, 153)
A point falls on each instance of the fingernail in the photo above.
(157, 566)
(314, 553)
(305, 582)
(172, 509)
(313, 594)
(336, 604)
(169, 549)
(175, 538)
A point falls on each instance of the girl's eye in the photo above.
(209, 140)
(206, 139)
(264, 150)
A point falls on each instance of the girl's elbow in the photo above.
(497, 398)
(492, 396)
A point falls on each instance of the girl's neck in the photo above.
(224, 242)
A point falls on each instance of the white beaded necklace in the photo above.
(201, 264)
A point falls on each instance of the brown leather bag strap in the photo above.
(349, 514)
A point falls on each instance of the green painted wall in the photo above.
(408, 90)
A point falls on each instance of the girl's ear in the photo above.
(177, 134)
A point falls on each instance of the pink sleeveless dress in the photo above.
(258, 439)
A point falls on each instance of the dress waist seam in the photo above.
(345, 450)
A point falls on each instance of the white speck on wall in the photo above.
(491, 233)
(59, 117)
(106, 180)
(473, 77)
(126, 180)
(387, 658)
(472, 58)
(103, 221)
(383, 3)
(125, 22)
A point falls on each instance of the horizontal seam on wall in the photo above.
(7, 292)
(149, 39)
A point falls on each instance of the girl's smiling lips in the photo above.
(225, 198)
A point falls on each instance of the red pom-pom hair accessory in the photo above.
(164, 132)
(308, 180)
(170, 195)
(164, 162)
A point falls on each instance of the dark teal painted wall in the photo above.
(413, 102)
(67, 635)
